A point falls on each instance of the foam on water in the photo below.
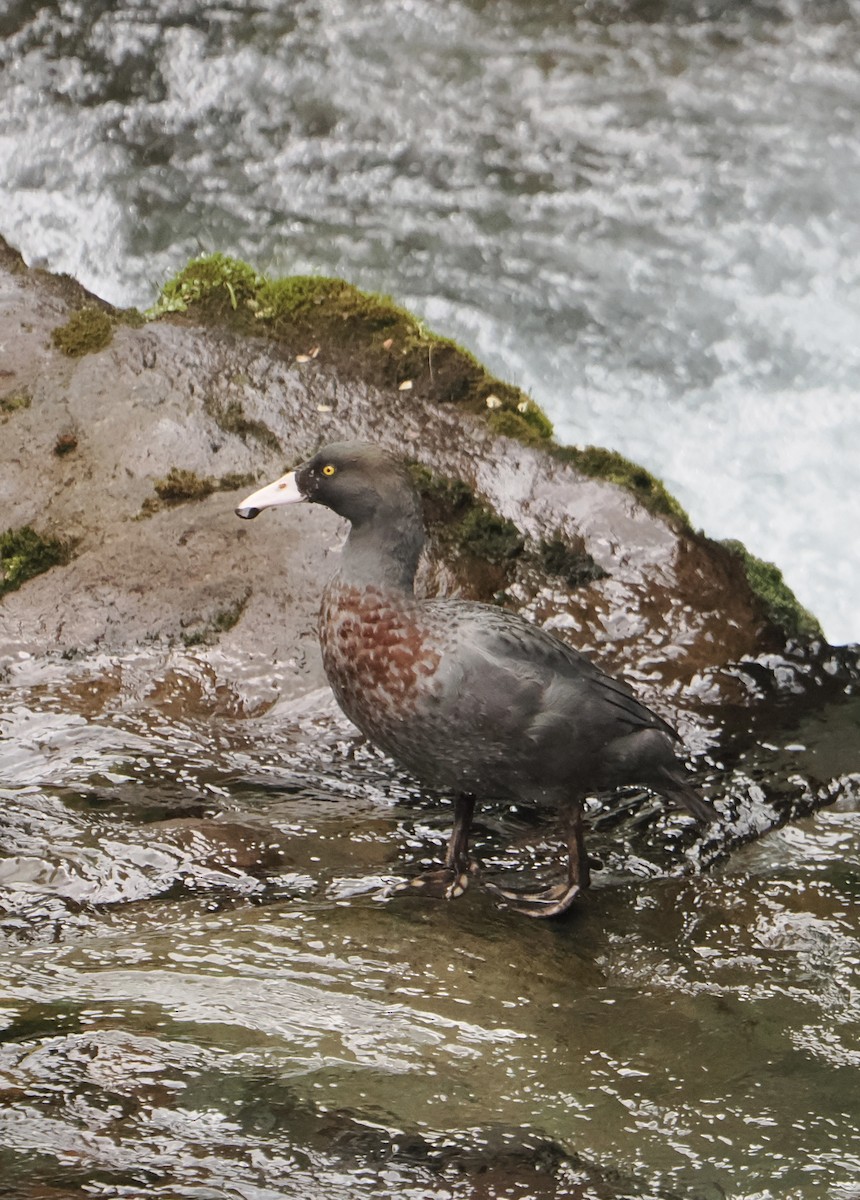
(652, 225)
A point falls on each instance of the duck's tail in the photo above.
(673, 785)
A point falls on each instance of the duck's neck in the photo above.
(383, 551)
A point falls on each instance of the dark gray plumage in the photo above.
(471, 699)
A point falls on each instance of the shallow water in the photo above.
(205, 992)
(646, 213)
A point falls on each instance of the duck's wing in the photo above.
(527, 657)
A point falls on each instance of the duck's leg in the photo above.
(451, 880)
(556, 899)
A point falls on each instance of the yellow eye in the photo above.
(328, 469)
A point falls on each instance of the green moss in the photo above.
(525, 424)
(328, 322)
(313, 301)
(65, 444)
(132, 317)
(234, 480)
(485, 534)
(780, 604)
(571, 563)
(223, 621)
(214, 284)
(15, 402)
(180, 485)
(177, 487)
(25, 553)
(458, 520)
(230, 417)
(11, 260)
(442, 497)
(87, 330)
(614, 467)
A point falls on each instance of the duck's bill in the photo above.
(283, 491)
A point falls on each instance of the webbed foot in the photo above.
(451, 880)
(557, 898)
(550, 901)
(443, 883)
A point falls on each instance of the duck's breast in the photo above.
(377, 657)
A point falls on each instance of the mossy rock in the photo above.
(569, 562)
(223, 621)
(231, 418)
(87, 330)
(66, 443)
(479, 544)
(24, 553)
(14, 402)
(485, 534)
(779, 603)
(442, 497)
(11, 260)
(180, 486)
(471, 532)
(362, 335)
(234, 480)
(324, 321)
(615, 468)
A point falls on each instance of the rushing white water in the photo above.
(646, 214)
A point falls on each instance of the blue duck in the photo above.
(472, 700)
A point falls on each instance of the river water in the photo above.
(647, 213)
(206, 994)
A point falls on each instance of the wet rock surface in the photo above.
(167, 395)
(171, 401)
(207, 989)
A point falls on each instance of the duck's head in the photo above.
(357, 480)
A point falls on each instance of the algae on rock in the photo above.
(180, 485)
(231, 418)
(484, 544)
(361, 334)
(368, 337)
(571, 563)
(780, 604)
(615, 468)
(223, 621)
(87, 330)
(14, 402)
(25, 553)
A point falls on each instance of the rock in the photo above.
(220, 844)
(134, 455)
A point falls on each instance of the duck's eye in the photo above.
(328, 469)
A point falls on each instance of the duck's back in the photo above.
(472, 698)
